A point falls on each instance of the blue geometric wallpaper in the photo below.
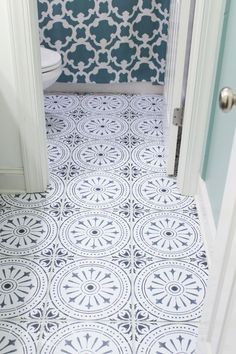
(105, 41)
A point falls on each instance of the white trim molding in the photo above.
(206, 218)
(29, 92)
(217, 329)
(176, 73)
(207, 29)
(140, 88)
(12, 179)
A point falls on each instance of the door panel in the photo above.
(217, 330)
(222, 125)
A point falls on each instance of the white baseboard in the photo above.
(207, 222)
(12, 181)
(128, 88)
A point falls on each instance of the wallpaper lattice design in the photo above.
(106, 41)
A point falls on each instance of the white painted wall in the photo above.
(10, 146)
(23, 153)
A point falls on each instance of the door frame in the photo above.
(175, 71)
(218, 323)
(29, 92)
(207, 29)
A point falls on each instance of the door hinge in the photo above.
(178, 117)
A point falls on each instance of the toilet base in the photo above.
(51, 77)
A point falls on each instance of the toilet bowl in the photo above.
(51, 66)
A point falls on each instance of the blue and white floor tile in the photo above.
(26, 232)
(91, 289)
(18, 338)
(89, 337)
(165, 338)
(103, 104)
(94, 234)
(110, 258)
(24, 286)
(60, 103)
(167, 235)
(170, 290)
(100, 155)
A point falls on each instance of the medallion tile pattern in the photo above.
(102, 126)
(23, 284)
(14, 339)
(177, 338)
(95, 234)
(90, 289)
(100, 155)
(168, 235)
(98, 190)
(26, 232)
(171, 290)
(151, 156)
(53, 193)
(110, 258)
(159, 193)
(87, 338)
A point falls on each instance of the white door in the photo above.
(218, 329)
(179, 41)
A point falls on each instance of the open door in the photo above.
(218, 327)
(178, 53)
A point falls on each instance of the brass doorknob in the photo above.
(227, 99)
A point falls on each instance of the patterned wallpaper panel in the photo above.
(105, 41)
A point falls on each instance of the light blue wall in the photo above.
(107, 41)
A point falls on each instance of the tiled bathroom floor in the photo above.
(110, 258)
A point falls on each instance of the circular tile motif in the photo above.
(174, 339)
(25, 232)
(60, 103)
(23, 284)
(160, 193)
(105, 126)
(94, 234)
(58, 153)
(33, 200)
(104, 104)
(100, 155)
(151, 156)
(151, 127)
(87, 338)
(148, 104)
(15, 339)
(171, 290)
(98, 190)
(58, 125)
(168, 235)
(90, 289)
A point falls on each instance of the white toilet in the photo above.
(51, 65)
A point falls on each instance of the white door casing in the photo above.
(218, 324)
(33, 132)
(217, 329)
(27, 93)
(175, 71)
